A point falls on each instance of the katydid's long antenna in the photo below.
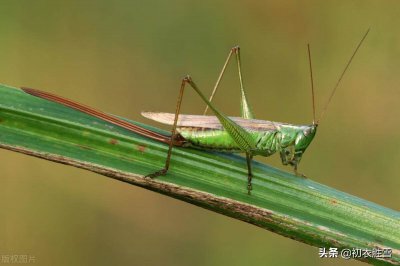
(312, 83)
(341, 76)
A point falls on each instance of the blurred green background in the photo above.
(125, 57)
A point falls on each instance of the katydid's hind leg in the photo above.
(244, 104)
(245, 107)
(243, 138)
(290, 157)
(221, 74)
(249, 158)
(173, 132)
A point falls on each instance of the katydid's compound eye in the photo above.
(307, 132)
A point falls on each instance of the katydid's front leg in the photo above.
(292, 157)
(295, 162)
(242, 138)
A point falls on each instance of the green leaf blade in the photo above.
(294, 207)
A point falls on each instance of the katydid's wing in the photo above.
(211, 122)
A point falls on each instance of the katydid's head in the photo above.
(304, 137)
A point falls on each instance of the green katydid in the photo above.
(221, 133)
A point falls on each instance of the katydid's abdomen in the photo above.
(267, 143)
